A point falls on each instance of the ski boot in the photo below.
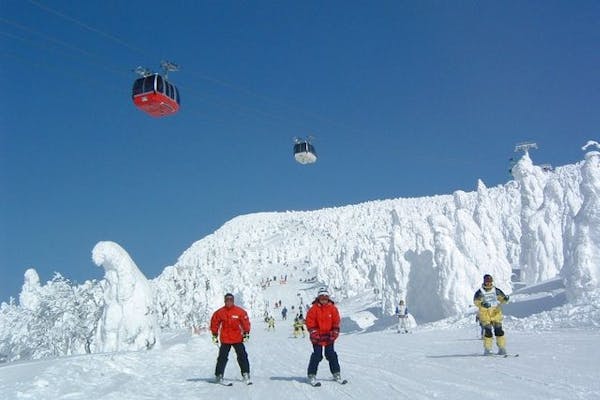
(218, 378)
(338, 378)
(312, 379)
(246, 378)
(501, 343)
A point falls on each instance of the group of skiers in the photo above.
(231, 326)
(489, 300)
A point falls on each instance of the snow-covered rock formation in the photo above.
(582, 268)
(432, 251)
(128, 320)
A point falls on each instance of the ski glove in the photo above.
(246, 336)
(506, 298)
(333, 335)
(485, 304)
(314, 336)
(215, 339)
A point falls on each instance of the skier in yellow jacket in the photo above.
(489, 300)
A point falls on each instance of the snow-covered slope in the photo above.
(430, 251)
(439, 360)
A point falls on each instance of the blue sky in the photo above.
(405, 99)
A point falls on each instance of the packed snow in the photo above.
(538, 235)
(438, 360)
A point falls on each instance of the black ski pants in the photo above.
(242, 358)
(317, 356)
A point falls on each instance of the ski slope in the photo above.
(426, 364)
(440, 360)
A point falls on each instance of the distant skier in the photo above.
(271, 323)
(489, 300)
(233, 324)
(284, 313)
(402, 314)
(299, 326)
(323, 324)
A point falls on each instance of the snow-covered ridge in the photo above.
(430, 251)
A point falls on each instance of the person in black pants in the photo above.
(323, 325)
(233, 325)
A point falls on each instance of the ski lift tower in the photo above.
(525, 146)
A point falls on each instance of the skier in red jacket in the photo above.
(323, 324)
(233, 324)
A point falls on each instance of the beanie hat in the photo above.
(323, 292)
(488, 278)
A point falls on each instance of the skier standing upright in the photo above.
(233, 325)
(402, 314)
(489, 300)
(323, 325)
(270, 323)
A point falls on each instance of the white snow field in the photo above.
(437, 361)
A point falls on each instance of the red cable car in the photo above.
(154, 94)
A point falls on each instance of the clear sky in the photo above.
(405, 99)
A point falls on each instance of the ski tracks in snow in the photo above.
(428, 364)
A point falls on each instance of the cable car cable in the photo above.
(97, 58)
(204, 77)
(90, 28)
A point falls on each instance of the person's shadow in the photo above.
(455, 355)
(301, 379)
(209, 380)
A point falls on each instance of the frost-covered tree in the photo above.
(532, 180)
(14, 337)
(55, 319)
(128, 319)
(430, 251)
(582, 269)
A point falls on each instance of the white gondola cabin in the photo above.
(304, 152)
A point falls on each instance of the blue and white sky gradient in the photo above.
(404, 98)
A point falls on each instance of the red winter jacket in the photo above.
(324, 318)
(232, 321)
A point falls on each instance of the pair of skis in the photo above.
(505, 355)
(231, 383)
(223, 383)
(500, 355)
(315, 384)
(318, 383)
